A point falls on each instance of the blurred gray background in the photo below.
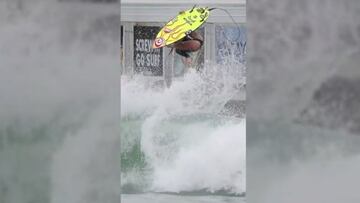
(59, 98)
(303, 104)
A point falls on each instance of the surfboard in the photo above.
(180, 26)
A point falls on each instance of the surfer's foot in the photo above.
(187, 61)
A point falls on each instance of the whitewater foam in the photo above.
(187, 145)
(215, 162)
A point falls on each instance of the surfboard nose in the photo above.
(158, 43)
(154, 46)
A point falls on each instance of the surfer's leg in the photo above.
(190, 45)
(187, 61)
(186, 58)
(182, 53)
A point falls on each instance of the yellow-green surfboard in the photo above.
(184, 23)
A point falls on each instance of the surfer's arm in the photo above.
(195, 35)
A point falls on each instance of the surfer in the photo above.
(190, 43)
(179, 33)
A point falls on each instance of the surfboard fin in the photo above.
(192, 8)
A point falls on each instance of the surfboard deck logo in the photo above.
(180, 26)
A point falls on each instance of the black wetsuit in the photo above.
(186, 53)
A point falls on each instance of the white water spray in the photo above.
(60, 92)
(185, 141)
(295, 47)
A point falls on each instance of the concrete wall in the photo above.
(133, 12)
